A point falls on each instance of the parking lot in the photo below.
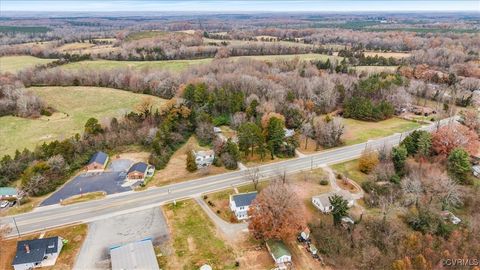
(118, 230)
(108, 182)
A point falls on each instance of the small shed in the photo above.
(279, 252)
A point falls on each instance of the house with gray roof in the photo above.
(97, 162)
(137, 171)
(280, 253)
(240, 203)
(204, 158)
(134, 256)
(37, 253)
(322, 202)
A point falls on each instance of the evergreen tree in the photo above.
(249, 136)
(399, 156)
(340, 208)
(459, 164)
(92, 127)
(275, 134)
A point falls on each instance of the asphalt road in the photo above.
(54, 216)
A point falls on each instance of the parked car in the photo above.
(3, 204)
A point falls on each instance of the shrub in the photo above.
(221, 120)
(324, 182)
(368, 161)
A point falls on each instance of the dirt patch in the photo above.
(135, 156)
(347, 185)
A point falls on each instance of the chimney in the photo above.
(27, 248)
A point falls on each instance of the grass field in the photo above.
(357, 131)
(397, 55)
(145, 34)
(179, 65)
(13, 64)
(194, 239)
(351, 171)
(74, 105)
(375, 69)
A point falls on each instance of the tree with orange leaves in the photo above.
(449, 137)
(276, 213)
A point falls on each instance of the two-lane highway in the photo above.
(54, 216)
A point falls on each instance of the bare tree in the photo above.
(253, 174)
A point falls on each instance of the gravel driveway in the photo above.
(118, 230)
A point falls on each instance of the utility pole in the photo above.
(16, 227)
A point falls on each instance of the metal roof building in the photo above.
(132, 256)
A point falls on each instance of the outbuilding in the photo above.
(134, 256)
(280, 253)
(97, 162)
(8, 193)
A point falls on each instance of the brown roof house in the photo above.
(98, 162)
(137, 172)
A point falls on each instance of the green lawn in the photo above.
(145, 34)
(179, 65)
(74, 105)
(350, 170)
(357, 131)
(14, 64)
(194, 239)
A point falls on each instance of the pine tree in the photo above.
(340, 208)
(459, 164)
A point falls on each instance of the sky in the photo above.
(238, 6)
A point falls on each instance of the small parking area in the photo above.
(120, 165)
(118, 230)
(109, 182)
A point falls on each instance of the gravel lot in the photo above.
(118, 230)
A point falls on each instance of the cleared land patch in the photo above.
(179, 65)
(194, 239)
(397, 55)
(357, 131)
(14, 64)
(75, 105)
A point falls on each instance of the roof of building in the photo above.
(324, 198)
(8, 191)
(244, 199)
(136, 255)
(98, 157)
(278, 249)
(204, 153)
(37, 249)
(138, 167)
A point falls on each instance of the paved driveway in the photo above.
(118, 230)
(108, 182)
(120, 165)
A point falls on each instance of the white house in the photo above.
(322, 201)
(37, 253)
(204, 158)
(240, 203)
(280, 253)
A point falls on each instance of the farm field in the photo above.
(179, 65)
(357, 131)
(14, 64)
(85, 48)
(195, 240)
(375, 69)
(74, 105)
(397, 55)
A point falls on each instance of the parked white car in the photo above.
(3, 204)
